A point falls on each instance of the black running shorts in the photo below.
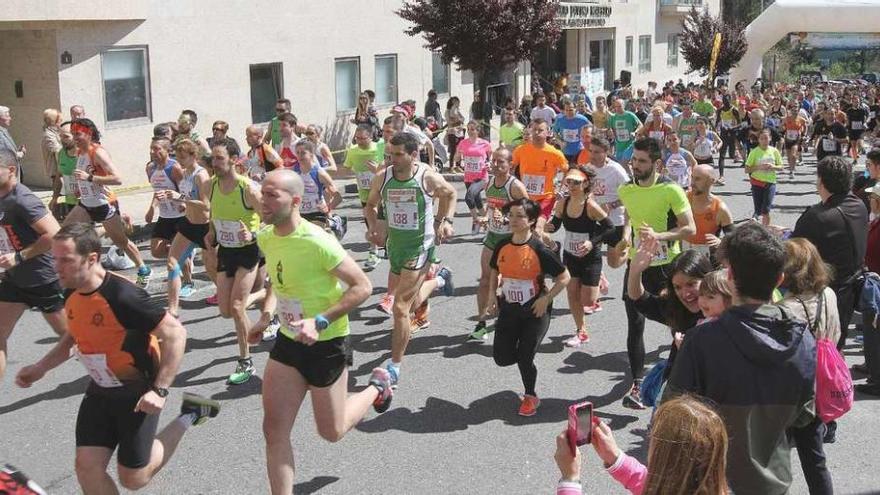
(166, 228)
(47, 298)
(229, 260)
(321, 363)
(110, 421)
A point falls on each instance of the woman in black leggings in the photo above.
(525, 304)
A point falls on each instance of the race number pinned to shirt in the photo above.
(87, 190)
(570, 135)
(289, 311)
(365, 179)
(518, 291)
(621, 133)
(534, 183)
(574, 242)
(792, 135)
(857, 125)
(403, 209)
(473, 164)
(230, 233)
(657, 135)
(829, 144)
(96, 367)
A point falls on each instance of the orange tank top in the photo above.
(706, 221)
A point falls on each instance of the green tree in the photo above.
(698, 38)
(483, 36)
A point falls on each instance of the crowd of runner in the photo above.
(573, 187)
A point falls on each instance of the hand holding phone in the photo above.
(580, 424)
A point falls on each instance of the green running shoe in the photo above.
(243, 372)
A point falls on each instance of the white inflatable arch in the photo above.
(811, 16)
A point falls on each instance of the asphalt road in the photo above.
(453, 426)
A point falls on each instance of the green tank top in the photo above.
(228, 209)
(496, 198)
(687, 130)
(409, 211)
(66, 165)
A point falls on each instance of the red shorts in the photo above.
(547, 205)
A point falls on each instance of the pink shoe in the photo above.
(588, 310)
(386, 303)
(212, 300)
(577, 340)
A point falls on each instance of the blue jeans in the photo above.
(762, 197)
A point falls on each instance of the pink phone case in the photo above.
(573, 424)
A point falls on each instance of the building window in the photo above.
(126, 84)
(645, 53)
(386, 79)
(672, 51)
(595, 54)
(267, 86)
(628, 56)
(348, 83)
(439, 75)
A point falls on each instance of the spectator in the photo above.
(686, 454)
(218, 135)
(869, 178)
(51, 143)
(77, 112)
(869, 318)
(838, 227)
(757, 362)
(455, 128)
(810, 299)
(432, 108)
(525, 110)
(481, 111)
(366, 115)
(6, 141)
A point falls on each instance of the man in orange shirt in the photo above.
(536, 164)
(583, 157)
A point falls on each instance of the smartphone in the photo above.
(580, 424)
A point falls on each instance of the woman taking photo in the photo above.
(366, 115)
(807, 295)
(586, 227)
(524, 306)
(473, 155)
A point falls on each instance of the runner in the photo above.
(830, 136)
(711, 215)
(165, 175)
(567, 128)
(473, 154)
(525, 306)
(502, 189)
(761, 165)
(309, 355)
(322, 151)
(510, 134)
(706, 144)
(794, 127)
(261, 157)
(365, 160)
(233, 224)
(656, 127)
(97, 203)
(289, 138)
(273, 133)
(29, 280)
(186, 124)
(624, 126)
(317, 183)
(586, 227)
(610, 175)
(536, 163)
(857, 116)
(583, 157)
(407, 190)
(678, 163)
(686, 126)
(651, 201)
(727, 121)
(132, 357)
(194, 196)
(66, 166)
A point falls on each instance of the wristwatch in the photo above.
(321, 323)
(161, 392)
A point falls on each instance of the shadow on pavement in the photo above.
(442, 416)
(63, 391)
(314, 485)
(254, 386)
(185, 378)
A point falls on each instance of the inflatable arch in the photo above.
(812, 16)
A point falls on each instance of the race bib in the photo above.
(857, 125)
(534, 183)
(96, 367)
(829, 145)
(229, 233)
(86, 190)
(365, 180)
(687, 140)
(792, 135)
(657, 135)
(68, 186)
(168, 209)
(518, 291)
(726, 124)
(704, 149)
(403, 209)
(622, 134)
(574, 243)
(473, 164)
(289, 311)
(570, 135)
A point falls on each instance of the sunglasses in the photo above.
(573, 182)
(220, 129)
(280, 110)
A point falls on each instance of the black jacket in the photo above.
(758, 365)
(840, 246)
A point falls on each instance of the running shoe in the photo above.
(386, 304)
(480, 333)
(475, 228)
(212, 300)
(393, 374)
(271, 331)
(633, 400)
(143, 276)
(187, 290)
(577, 340)
(420, 317)
(529, 405)
(371, 262)
(588, 310)
(381, 379)
(243, 372)
(202, 407)
(603, 284)
(446, 274)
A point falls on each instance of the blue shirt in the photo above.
(570, 131)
